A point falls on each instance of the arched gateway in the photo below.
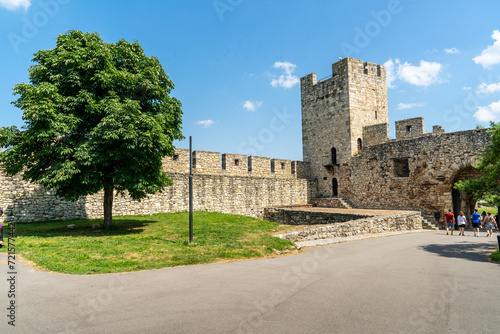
(461, 200)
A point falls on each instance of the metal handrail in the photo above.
(430, 205)
(326, 78)
(350, 192)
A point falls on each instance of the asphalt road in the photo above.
(413, 283)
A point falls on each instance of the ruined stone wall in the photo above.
(374, 180)
(292, 216)
(233, 189)
(403, 221)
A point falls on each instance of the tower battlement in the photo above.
(351, 66)
(346, 67)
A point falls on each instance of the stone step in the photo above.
(331, 202)
(349, 203)
(428, 224)
(344, 203)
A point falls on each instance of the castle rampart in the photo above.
(415, 173)
(347, 152)
(230, 183)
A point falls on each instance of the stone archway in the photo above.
(461, 200)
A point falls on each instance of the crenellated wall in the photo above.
(417, 173)
(347, 153)
(213, 163)
(228, 183)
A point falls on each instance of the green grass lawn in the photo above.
(495, 256)
(144, 242)
(493, 211)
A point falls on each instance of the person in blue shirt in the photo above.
(475, 217)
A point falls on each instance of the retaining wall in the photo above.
(403, 221)
(290, 216)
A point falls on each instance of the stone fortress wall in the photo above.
(229, 183)
(413, 174)
(347, 153)
(415, 171)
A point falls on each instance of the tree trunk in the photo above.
(108, 207)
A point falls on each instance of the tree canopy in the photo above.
(97, 116)
(488, 186)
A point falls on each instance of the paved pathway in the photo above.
(422, 282)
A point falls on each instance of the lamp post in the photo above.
(190, 191)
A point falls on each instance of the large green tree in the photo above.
(488, 186)
(97, 116)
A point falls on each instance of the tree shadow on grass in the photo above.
(83, 228)
(468, 251)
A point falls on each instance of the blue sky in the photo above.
(236, 64)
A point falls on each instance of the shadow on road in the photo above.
(468, 251)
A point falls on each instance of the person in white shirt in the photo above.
(462, 222)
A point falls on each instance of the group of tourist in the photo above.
(484, 220)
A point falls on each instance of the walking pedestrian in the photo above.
(490, 224)
(475, 218)
(483, 216)
(462, 223)
(449, 217)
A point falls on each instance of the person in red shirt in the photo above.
(449, 218)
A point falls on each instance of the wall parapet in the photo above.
(375, 134)
(215, 163)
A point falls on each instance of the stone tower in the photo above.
(341, 114)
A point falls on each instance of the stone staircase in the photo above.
(331, 202)
(428, 223)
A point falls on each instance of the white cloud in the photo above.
(410, 105)
(488, 89)
(467, 88)
(251, 105)
(451, 51)
(490, 55)
(287, 80)
(206, 124)
(488, 113)
(391, 73)
(15, 4)
(426, 74)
